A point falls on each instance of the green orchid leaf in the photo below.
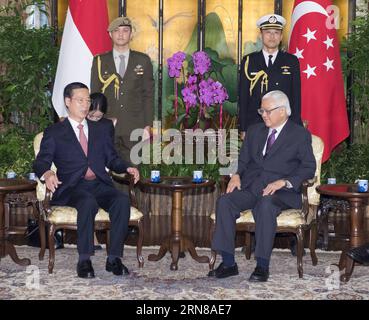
(229, 75)
(231, 108)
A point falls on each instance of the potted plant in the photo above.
(357, 65)
(199, 96)
(28, 60)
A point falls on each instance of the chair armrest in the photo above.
(305, 200)
(44, 205)
(223, 183)
(127, 179)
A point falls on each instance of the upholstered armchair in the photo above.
(64, 217)
(295, 221)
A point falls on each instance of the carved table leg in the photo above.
(7, 248)
(356, 236)
(175, 248)
(175, 244)
(191, 248)
(162, 251)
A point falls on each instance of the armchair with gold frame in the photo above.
(294, 221)
(64, 217)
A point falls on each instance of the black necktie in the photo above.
(270, 63)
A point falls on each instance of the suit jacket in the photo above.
(109, 125)
(134, 105)
(290, 157)
(284, 75)
(60, 146)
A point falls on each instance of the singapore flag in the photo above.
(313, 40)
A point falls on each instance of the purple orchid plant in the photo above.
(199, 89)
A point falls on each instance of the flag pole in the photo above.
(278, 7)
(54, 20)
(123, 8)
(351, 76)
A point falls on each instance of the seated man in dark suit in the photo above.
(360, 254)
(81, 150)
(275, 158)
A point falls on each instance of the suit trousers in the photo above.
(87, 197)
(265, 211)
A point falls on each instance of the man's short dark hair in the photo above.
(68, 90)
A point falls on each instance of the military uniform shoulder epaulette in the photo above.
(102, 54)
(287, 55)
(251, 54)
(254, 53)
(139, 53)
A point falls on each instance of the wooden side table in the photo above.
(9, 186)
(177, 242)
(357, 209)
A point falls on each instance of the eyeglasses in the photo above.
(81, 100)
(268, 112)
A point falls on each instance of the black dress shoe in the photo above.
(117, 267)
(223, 272)
(85, 270)
(360, 254)
(97, 247)
(259, 275)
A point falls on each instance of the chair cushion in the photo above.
(68, 215)
(41, 187)
(318, 148)
(287, 218)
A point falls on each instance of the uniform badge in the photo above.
(272, 19)
(285, 70)
(139, 70)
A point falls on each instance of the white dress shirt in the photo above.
(75, 127)
(267, 54)
(279, 129)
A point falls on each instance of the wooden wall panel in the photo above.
(252, 11)
(227, 11)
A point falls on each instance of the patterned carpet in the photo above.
(156, 281)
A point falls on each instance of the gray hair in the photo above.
(280, 98)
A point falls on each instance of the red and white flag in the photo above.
(85, 35)
(313, 40)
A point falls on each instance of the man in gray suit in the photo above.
(126, 78)
(275, 158)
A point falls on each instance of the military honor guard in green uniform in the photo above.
(126, 78)
(268, 70)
